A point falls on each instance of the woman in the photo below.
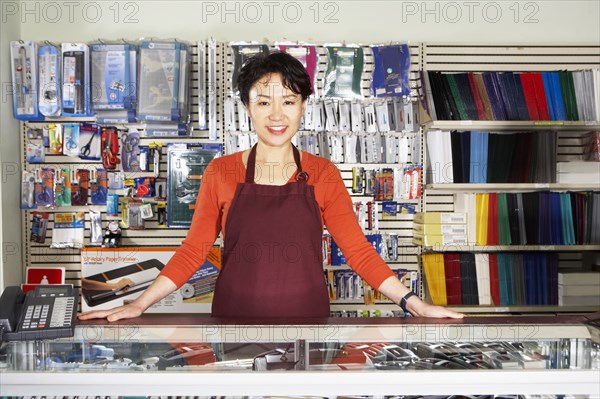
(271, 203)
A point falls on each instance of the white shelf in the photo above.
(522, 308)
(508, 187)
(512, 248)
(511, 125)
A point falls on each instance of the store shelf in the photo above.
(507, 187)
(511, 125)
(497, 248)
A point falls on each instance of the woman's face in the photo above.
(275, 111)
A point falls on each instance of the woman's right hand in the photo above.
(128, 311)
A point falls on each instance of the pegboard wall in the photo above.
(424, 57)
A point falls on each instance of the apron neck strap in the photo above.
(300, 175)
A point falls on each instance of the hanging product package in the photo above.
(99, 186)
(28, 190)
(130, 150)
(62, 187)
(184, 174)
(344, 71)
(24, 70)
(113, 82)
(110, 147)
(39, 225)
(89, 141)
(49, 80)
(71, 139)
(44, 187)
(391, 72)
(75, 79)
(158, 84)
(79, 186)
(68, 230)
(241, 53)
(307, 55)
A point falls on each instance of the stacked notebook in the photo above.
(534, 218)
(439, 229)
(579, 288)
(557, 95)
(482, 157)
(492, 279)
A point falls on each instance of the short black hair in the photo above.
(293, 74)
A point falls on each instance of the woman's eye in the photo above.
(263, 103)
(290, 102)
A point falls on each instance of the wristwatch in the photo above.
(404, 300)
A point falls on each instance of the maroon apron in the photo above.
(272, 259)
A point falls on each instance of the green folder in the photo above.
(503, 221)
(460, 105)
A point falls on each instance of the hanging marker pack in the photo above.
(49, 85)
(331, 115)
(344, 124)
(24, 71)
(356, 116)
(75, 79)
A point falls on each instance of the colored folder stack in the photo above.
(492, 279)
(534, 218)
(482, 157)
(556, 95)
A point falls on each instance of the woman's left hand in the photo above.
(417, 307)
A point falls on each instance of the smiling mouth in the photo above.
(277, 129)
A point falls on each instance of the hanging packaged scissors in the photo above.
(79, 186)
(129, 151)
(49, 70)
(55, 138)
(71, 139)
(44, 188)
(98, 186)
(110, 148)
(89, 136)
(62, 187)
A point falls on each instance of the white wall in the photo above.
(10, 215)
(498, 21)
(324, 21)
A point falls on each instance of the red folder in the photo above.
(540, 96)
(530, 97)
(493, 235)
(494, 282)
(452, 274)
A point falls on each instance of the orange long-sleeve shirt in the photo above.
(218, 187)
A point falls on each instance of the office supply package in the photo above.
(49, 80)
(163, 87)
(391, 72)
(113, 78)
(116, 276)
(24, 73)
(185, 167)
(345, 64)
(75, 79)
(241, 53)
(305, 53)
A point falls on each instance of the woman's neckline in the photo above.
(302, 159)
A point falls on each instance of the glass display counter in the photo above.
(161, 355)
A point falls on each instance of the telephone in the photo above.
(47, 312)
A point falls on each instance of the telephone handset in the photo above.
(47, 312)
